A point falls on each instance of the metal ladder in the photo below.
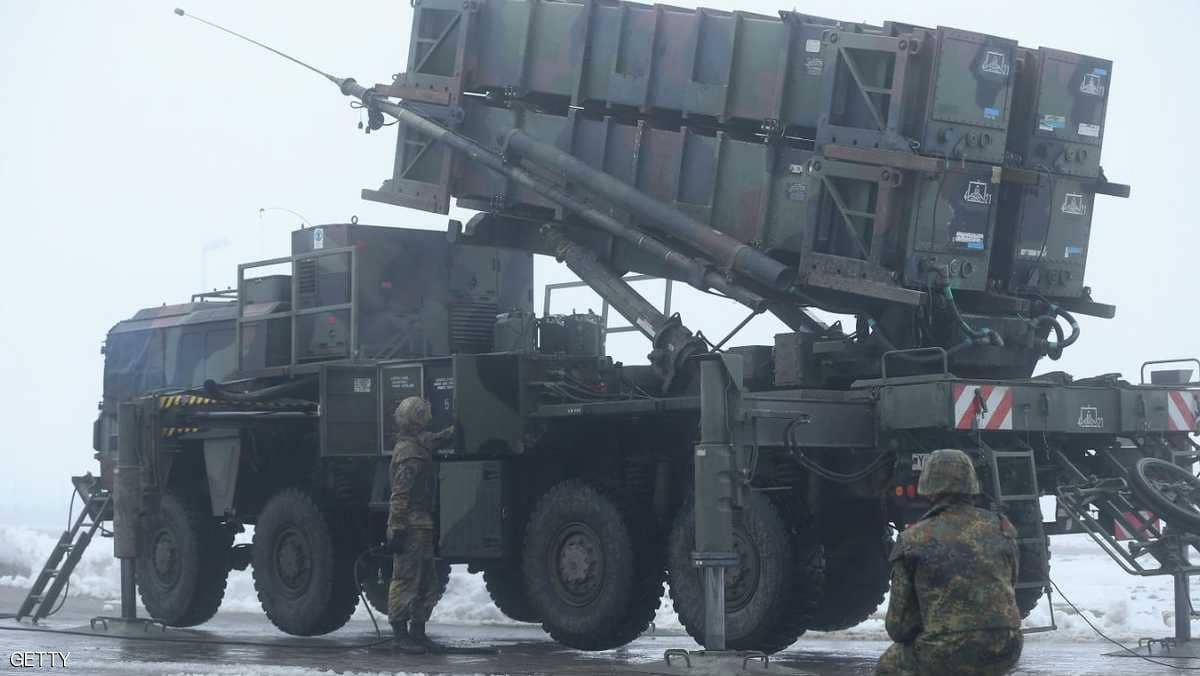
(49, 584)
(1015, 487)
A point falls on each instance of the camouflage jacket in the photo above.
(954, 571)
(412, 479)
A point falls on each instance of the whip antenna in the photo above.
(336, 80)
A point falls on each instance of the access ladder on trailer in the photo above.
(50, 582)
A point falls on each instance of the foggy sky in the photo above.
(131, 141)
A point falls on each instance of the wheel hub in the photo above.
(166, 558)
(741, 581)
(578, 564)
(1174, 488)
(293, 561)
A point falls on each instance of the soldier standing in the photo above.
(413, 591)
(953, 608)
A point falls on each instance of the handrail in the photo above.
(1186, 360)
(940, 351)
(293, 310)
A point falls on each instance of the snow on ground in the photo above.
(1125, 607)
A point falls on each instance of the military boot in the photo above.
(416, 632)
(403, 641)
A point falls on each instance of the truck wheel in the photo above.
(506, 586)
(1027, 520)
(375, 576)
(1170, 490)
(183, 563)
(1028, 598)
(857, 575)
(303, 571)
(591, 586)
(771, 593)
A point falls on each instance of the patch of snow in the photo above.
(1125, 607)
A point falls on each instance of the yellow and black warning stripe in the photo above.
(181, 400)
(169, 432)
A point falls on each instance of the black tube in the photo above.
(1071, 321)
(274, 392)
(985, 334)
(729, 252)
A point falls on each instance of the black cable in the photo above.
(62, 599)
(1037, 264)
(362, 593)
(824, 472)
(1113, 641)
(165, 639)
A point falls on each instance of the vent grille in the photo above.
(471, 327)
(306, 277)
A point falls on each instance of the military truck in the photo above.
(934, 185)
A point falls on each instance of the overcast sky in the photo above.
(132, 140)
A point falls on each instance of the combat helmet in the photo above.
(413, 413)
(948, 470)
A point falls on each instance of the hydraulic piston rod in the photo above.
(673, 342)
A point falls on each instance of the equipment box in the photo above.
(471, 510)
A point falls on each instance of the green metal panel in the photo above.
(951, 225)
(1064, 101)
(970, 95)
(491, 384)
(471, 510)
(349, 423)
(917, 406)
(744, 188)
(724, 65)
(1051, 231)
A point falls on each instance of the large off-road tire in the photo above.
(1027, 520)
(591, 579)
(375, 576)
(303, 567)
(1028, 598)
(506, 586)
(857, 576)
(770, 596)
(183, 562)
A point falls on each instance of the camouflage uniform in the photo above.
(413, 591)
(953, 609)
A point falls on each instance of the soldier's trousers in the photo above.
(990, 652)
(413, 591)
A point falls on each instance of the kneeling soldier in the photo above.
(953, 608)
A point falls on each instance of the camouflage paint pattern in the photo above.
(953, 608)
(983, 653)
(414, 587)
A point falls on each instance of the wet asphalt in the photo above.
(248, 643)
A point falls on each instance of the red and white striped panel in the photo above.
(996, 415)
(1138, 519)
(1183, 409)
